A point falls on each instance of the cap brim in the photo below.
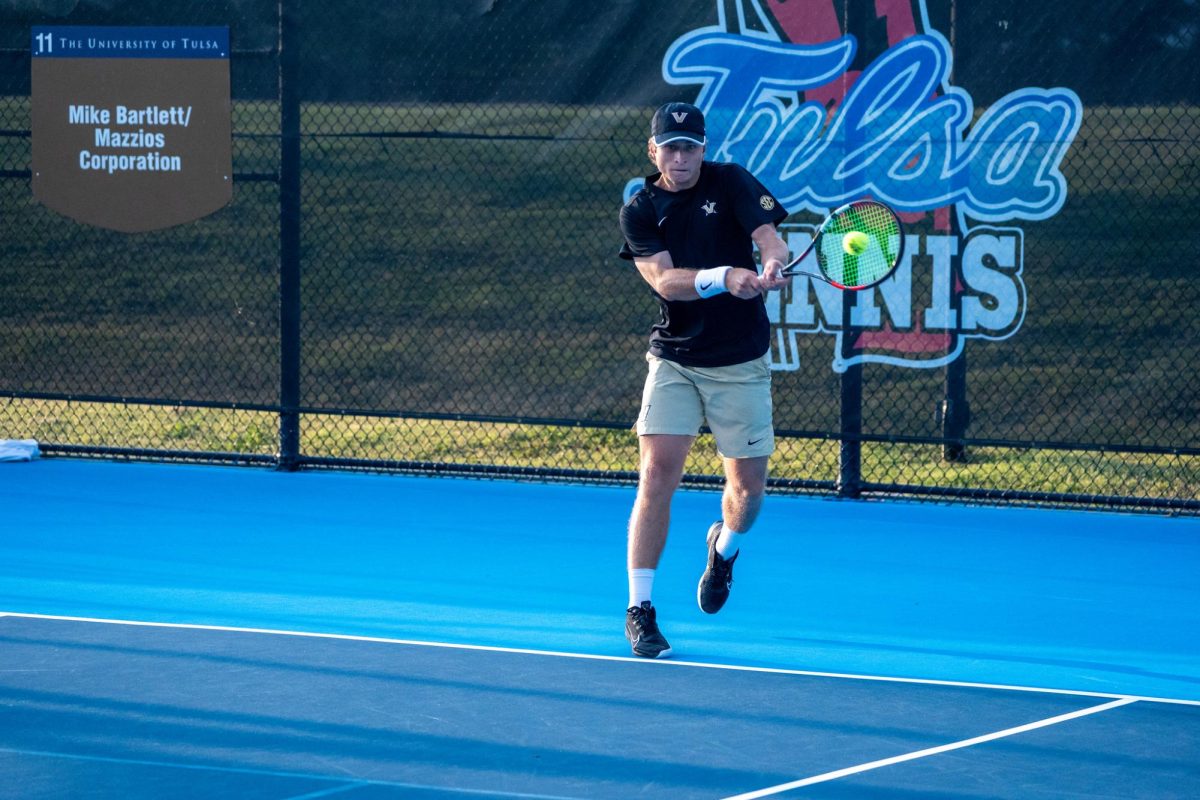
(676, 136)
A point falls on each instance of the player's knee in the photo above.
(747, 482)
(658, 477)
(746, 493)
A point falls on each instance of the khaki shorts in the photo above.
(735, 401)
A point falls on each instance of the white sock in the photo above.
(729, 542)
(641, 582)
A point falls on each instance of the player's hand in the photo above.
(743, 283)
(771, 278)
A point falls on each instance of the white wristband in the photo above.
(711, 281)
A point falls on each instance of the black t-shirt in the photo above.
(706, 226)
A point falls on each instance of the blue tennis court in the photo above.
(196, 631)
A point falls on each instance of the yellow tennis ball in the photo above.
(855, 242)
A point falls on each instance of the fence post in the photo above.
(849, 482)
(956, 413)
(289, 236)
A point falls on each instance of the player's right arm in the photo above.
(671, 283)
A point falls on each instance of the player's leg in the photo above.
(738, 408)
(667, 426)
(662, 459)
(745, 485)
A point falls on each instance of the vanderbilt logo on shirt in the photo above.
(710, 207)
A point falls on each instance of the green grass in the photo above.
(1162, 477)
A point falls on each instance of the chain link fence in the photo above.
(458, 305)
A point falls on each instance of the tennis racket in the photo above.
(858, 246)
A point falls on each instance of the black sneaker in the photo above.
(714, 583)
(641, 629)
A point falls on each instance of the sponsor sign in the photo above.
(131, 127)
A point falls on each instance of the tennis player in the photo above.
(691, 231)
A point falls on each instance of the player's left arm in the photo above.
(774, 254)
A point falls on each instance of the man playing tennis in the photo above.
(691, 230)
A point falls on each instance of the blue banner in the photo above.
(70, 41)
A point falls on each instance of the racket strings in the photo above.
(851, 266)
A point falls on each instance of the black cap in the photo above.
(678, 122)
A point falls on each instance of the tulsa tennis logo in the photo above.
(780, 98)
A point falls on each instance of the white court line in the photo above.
(344, 782)
(649, 662)
(350, 787)
(932, 751)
